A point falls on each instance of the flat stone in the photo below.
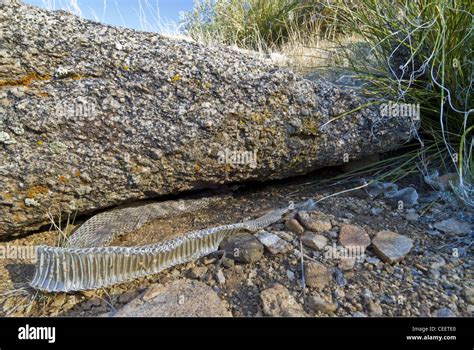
(287, 236)
(411, 215)
(181, 298)
(316, 275)
(391, 247)
(454, 226)
(375, 309)
(273, 243)
(127, 296)
(353, 236)
(318, 304)
(277, 301)
(294, 226)
(314, 221)
(242, 247)
(443, 312)
(220, 278)
(347, 264)
(314, 241)
(408, 196)
(469, 294)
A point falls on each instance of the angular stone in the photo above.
(181, 298)
(318, 304)
(127, 296)
(469, 294)
(353, 236)
(407, 196)
(242, 247)
(454, 226)
(314, 221)
(391, 247)
(273, 243)
(294, 226)
(313, 241)
(220, 278)
(444, 312)
(375, 309)
(316, 275)
(277, 301)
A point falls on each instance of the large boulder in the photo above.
(92, 116)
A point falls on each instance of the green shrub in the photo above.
(422, 54)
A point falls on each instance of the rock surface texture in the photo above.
(182, 298)
(92, 116)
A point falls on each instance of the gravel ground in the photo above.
(430, 276)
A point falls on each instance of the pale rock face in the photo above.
(145, 116)
(277, 301)
(391, 247)
(273, 243)
(354, 236)
(316, 275)
(181, 298)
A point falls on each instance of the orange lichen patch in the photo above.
(63, 179)
(310, 127)
(137, 169)
(78, 173)
(227, 167)
(24, 81)
(36, 191)
(206, 85)
(75, 76)
(42, 94)
(7, 196)
(19, 217)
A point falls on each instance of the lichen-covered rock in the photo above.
(354, 236)
(315, 221)
(277, 301)
(316, 274)
(92, 116)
